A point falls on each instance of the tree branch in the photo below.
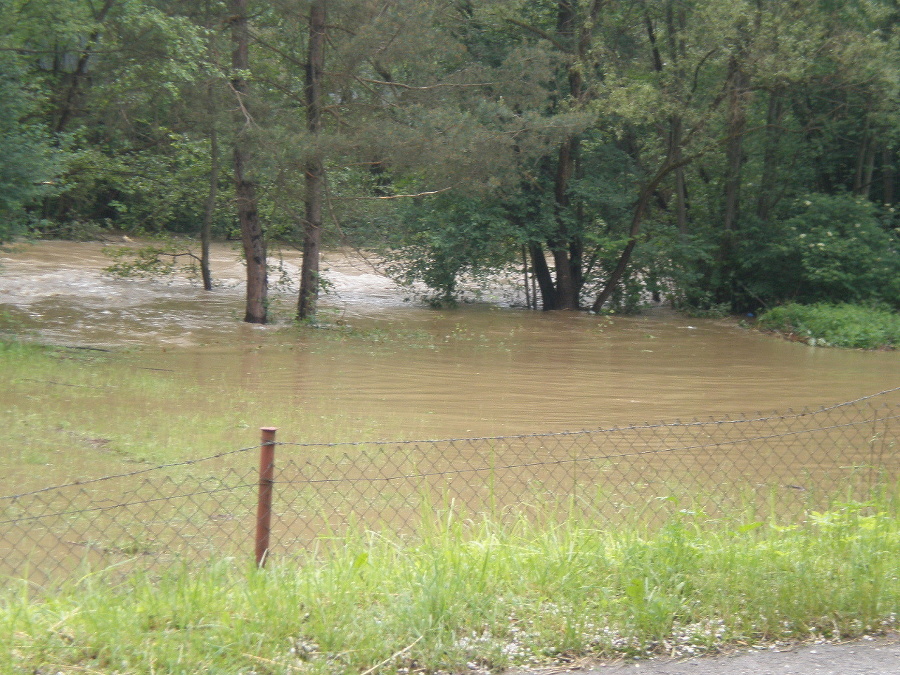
(412, 196)
(442, 85)
(540, 33)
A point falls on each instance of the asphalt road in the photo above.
(867, 656)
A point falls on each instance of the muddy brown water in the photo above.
(484, 369)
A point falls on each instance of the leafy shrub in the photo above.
(445, 238)
(30, 162)
(829, 248)
(842, 325)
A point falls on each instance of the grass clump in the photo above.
(842, 325)
(476, 595)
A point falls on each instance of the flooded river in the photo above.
(413, 372)
(143, 439)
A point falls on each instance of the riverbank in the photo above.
(843, 325)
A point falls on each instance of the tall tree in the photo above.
(245, 188)
(315, 165)
(568, 129)
(209, 210)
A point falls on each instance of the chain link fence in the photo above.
(638, 475)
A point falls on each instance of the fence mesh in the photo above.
(201, 509)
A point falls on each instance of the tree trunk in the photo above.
(737, 121)
(637, 219)
(860, 160)
(887, 174)
(681, 204)
(567, 288)
(525, 278)
(68, 105)
(868, 169)
(315, 169)
(673, 137)
(564, 245)
(769, 178)
(245, 188)
(210, 210)
(543, 276)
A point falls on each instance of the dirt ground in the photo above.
(866, 656)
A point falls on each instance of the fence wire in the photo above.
(639, 475)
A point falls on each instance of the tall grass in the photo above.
(475, 595)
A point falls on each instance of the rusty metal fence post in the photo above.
(264, 503)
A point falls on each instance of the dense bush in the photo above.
(30, 163)
(446, 238)
(841, 325)
(826, 249)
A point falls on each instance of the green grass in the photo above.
(475, 595)
(844, 325)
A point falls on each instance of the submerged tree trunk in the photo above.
(561, 287)
(210, 209)
(637, 220)
(245, 188)
(565, 245)
(315, 169)
(567, 287)
(525, 278)
(543, 276)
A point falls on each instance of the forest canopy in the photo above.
(728, 156)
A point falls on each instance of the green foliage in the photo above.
(164, 256)
(486, 98)
(844, 325)
(449, 236)
(120, 82)
(30, 162)
(830, 248)
(154, 193)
